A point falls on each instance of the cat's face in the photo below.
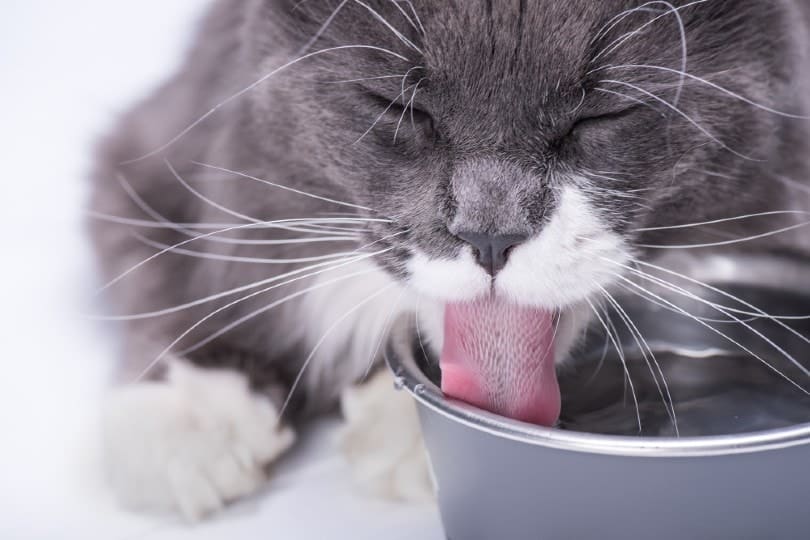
(549, 131)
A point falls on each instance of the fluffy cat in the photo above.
(317, 168)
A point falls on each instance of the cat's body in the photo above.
(516, 130)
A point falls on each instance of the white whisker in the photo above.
(382, 114)
(196, 325)
(622, 358)
(391, 27)
(323, 268)
(726, 220)
(680, 113)
(186, 242)
(684, 74)
(206, 200)
(386, 329)
(323, 28)
(234, 258)
(756, 311)
(728, 242)
(286, 188)
(649, 359)
(718, 332)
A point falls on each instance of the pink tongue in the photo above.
(500, 357)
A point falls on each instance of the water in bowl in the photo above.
(711, 376)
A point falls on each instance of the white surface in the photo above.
(66, 68)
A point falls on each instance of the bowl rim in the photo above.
(407, 375)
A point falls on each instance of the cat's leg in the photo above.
(192, 441)
(382, 441)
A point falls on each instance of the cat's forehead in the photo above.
(512, 49)
(546, 39)
(506, 62)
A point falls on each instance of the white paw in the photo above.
(383, 442)
(192, 443)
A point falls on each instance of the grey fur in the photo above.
(499, 125)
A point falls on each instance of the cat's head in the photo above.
(522, 146)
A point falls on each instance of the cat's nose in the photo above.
(492, 250)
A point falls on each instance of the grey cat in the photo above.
(318, 168)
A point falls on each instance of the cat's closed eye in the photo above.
(402, 113)
(600, 119)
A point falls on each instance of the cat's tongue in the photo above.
(500, 357)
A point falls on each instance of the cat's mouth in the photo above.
(499, 356)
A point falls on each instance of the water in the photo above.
(716, 387)
(715, 395)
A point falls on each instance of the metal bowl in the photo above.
(736, 467)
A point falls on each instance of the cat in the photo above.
(318, 169)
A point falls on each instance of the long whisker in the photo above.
(181, 244)
(234, 258)
(418, 327)
(726, 220)
(688, 294)
(649, 358)
(238, 322)
(309, 271)
(684, 74)
(623, 39)
(157, 216)
(323, 28)
(207, 200)
(728, 242)
(382, 114)
(716, 331)
(221, 228)
(197, 324)
(405, 14)
(415, 14)
(287, 188)
(365, 79)
(601, 363)
(680, 113)
(408, 106)
(391, 27)
(618, 18)
(250, 87)
(101, 216)
(756, 311)
(386, 329)
(793, 184)
(630, 98)
(623, 360)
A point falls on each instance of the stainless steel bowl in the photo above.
(739, 469)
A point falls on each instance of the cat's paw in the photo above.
(191, 443)
(382, 441)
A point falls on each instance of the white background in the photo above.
(66, 68)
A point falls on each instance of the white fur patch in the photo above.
(348, 333)
(382, 441)
(567, 262)
(449, 280)
(192, 443)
